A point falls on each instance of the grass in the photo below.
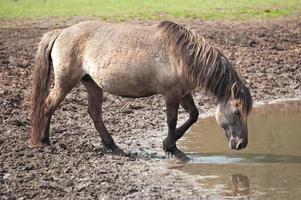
(118, 10)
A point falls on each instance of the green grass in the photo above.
(150, 9)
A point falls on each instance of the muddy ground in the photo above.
(266, 53)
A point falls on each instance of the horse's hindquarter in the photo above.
(129, 61)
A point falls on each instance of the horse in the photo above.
(137, 61)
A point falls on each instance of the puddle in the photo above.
(269, 168)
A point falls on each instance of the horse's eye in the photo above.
(225, 126)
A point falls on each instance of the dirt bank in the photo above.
(266, 53)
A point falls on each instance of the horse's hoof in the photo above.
(39, 144)
(180, 155)
(177, 153)
(118, 151)
(112, 148)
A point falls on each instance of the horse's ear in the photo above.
(235, 89)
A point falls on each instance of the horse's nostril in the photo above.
(239, 145)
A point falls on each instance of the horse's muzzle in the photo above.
(237, 143)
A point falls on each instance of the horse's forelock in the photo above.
(246, 101)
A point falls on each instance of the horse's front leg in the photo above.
(169, 144)
(188, 104)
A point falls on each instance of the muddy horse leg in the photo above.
(95, 94)
(55, 97)
(188, 104)
(169, 144)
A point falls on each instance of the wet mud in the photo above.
(265, 53)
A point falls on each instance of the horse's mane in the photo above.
(205, 66)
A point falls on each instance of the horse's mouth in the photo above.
(236, 143)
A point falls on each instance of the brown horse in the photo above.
(137, 61)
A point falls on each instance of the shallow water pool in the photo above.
(270, 166)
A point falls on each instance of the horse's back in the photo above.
(127, 60)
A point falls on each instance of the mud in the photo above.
(266, 53)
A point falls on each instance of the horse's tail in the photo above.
(41, 84)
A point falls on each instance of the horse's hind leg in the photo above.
(55, 97)
(188, 104)
(95, 94)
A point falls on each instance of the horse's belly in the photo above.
(126, 89)
(127, 82)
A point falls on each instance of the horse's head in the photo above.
(231, 115)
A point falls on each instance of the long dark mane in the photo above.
(204, 65)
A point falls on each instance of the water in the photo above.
(269, 168)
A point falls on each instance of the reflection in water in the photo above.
(269, 168)
(240, 185)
